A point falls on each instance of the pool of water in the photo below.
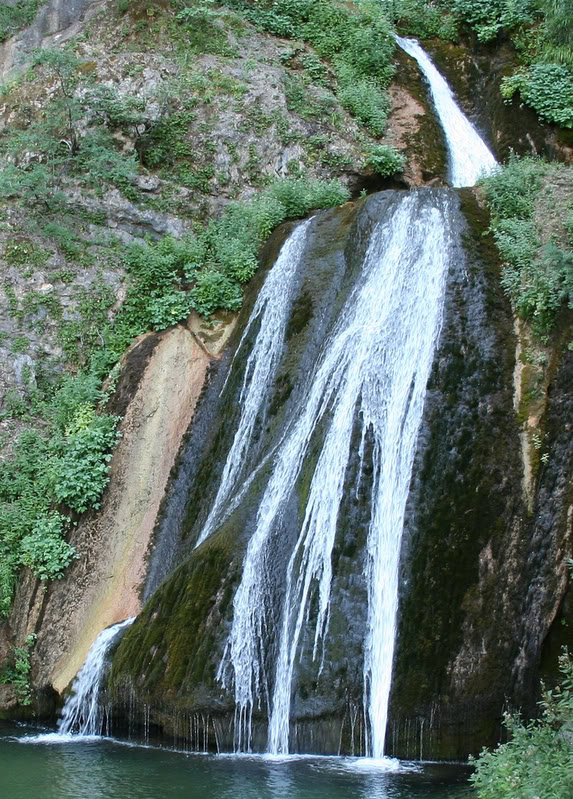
(45, 767)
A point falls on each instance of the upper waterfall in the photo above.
(370, 375)
(470, 158)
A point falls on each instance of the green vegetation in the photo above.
(531, 203)
(62, 470)
(385, 160)
(548, 88)
(58, 467)
(537, 761)
(355, 39)
(40, 157)
(170, 278)
(18, 674)
(540, 30)
(54, 473)
(14, 18)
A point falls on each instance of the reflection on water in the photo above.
(105, 769)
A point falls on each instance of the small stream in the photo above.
(106, 769)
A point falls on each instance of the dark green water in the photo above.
(105, 769)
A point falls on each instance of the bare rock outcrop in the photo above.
(56, 21)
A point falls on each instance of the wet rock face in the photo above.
(184, 625)
(461, 521)
(413, 126)
(484, 578)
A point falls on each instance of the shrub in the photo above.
(487, 17)
(385, 160)
(425, 21)
(214, 290)
(364, 100)
(80, 469)
(299, 195)
(44, 549)
(168, 309)
(547, 88)
(537, 761)
(68, 464)
(511, 192)
(18, 673)
(538, 279)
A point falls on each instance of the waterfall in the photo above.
(366, 384)
(272, 307)
(82, 711)
(470, 157)
(373, 369)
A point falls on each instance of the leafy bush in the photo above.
(73, 393)
(18, 674)
(487, 17)
(299, 195)
(44, 549)
(214, 290)
(538, 278)
(67, 465)
(511, 192)
(385, 160)
(168, 309)
(364, 100)
(79, 468)
(537, 761)
(547, 88)
(425, 20)
(109, 107)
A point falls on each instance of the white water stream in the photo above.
(272, 307)
(376, 363)
(374, 367)
(82, 712)
(470, 158)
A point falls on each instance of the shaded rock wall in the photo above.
(484, 566)
(471, 620)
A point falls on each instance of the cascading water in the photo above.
(82, 712)
(365, 384)
(470, 157)
(374, 368)
(272, 308)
